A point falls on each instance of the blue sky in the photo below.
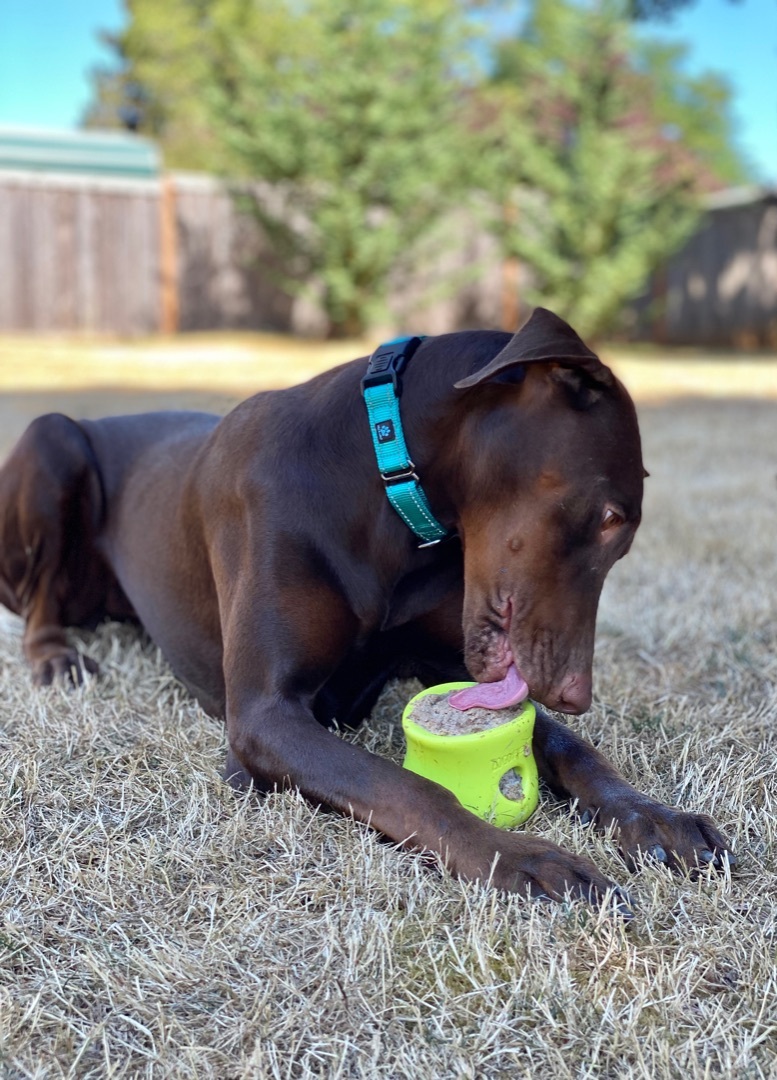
(48, 46)
(739, 40)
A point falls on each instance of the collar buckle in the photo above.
(388, 362)
(400, 476)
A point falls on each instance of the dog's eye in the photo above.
(611, 520)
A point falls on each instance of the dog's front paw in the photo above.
(67, 666)
(527, 864)
(684, 841)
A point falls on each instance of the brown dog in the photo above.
(260, 553)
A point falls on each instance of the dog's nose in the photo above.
(575, 694)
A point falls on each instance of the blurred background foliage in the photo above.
(580, 143)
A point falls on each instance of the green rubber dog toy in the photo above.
(472, 765)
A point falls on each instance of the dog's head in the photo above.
(550, 498)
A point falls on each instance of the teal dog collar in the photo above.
(381, 390)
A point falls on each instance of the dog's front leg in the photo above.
(575, 770)
(277, 741)
(281, 645)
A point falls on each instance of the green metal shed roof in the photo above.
(96, 153)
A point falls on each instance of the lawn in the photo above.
(153, 924)
(244, 363)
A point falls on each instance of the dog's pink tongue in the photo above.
(492, 695)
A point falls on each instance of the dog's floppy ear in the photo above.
(545, 338)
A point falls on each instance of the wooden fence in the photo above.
(133, 257)
(78, 255)
(720, 289)
(128, 257)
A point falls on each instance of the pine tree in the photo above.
(595, 157)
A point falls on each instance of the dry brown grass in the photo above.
(243, 363)
(153, 924)
(240, 363)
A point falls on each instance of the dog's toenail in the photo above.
(624, 904)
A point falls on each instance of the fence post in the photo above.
(168, 258)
